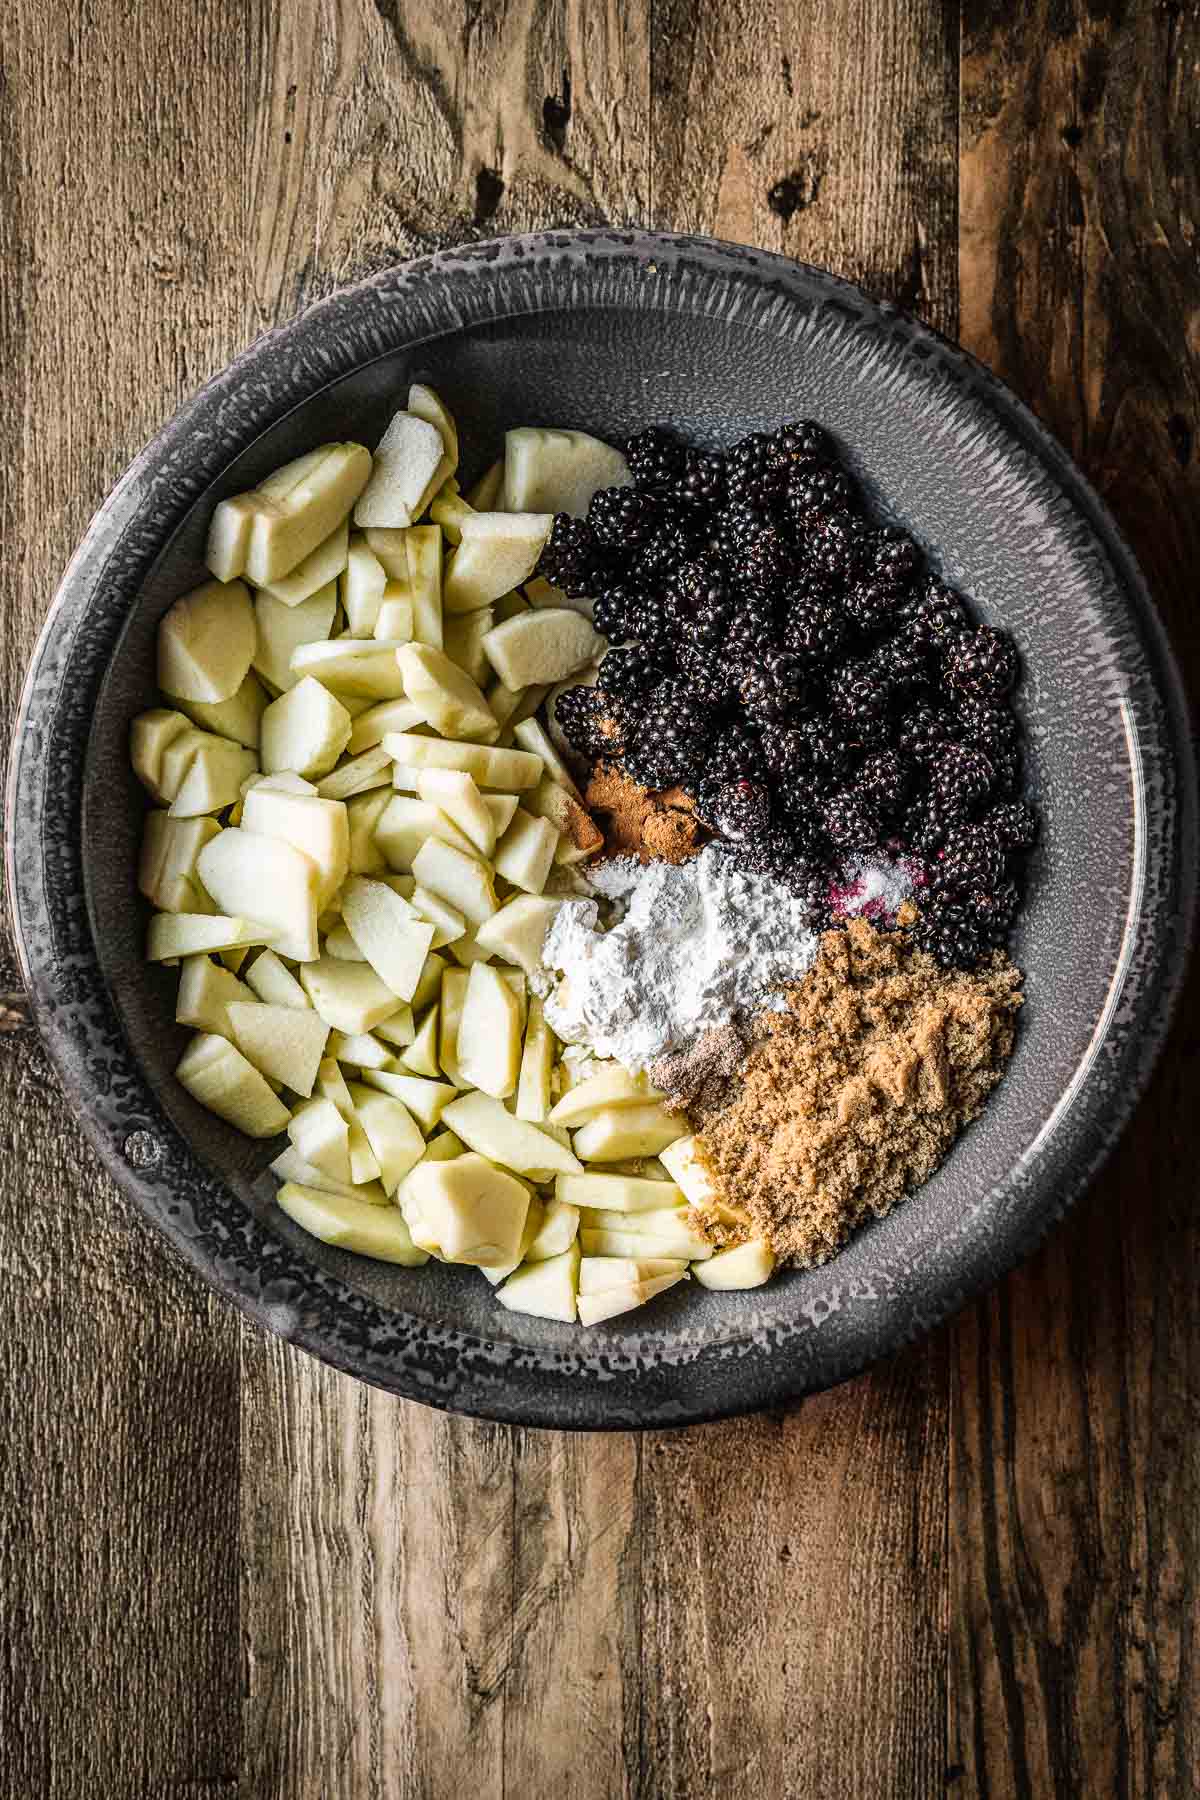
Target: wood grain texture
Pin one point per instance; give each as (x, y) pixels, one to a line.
(1075, 1471)
(118, 1373)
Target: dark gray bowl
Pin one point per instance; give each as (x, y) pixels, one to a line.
(610, 331)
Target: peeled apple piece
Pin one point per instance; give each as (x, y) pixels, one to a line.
(449, 700)
(531, 735)
(392, 1133)
(425, 1100)
(475, 1211)
(462, 880)
(490, 768)
(518, 931)
(350, 1224)
(489, 1128)
(241, 869)
(557, 471)
(220, 1078)
(426, 404)
(594, 1308)
(149, 736)
(618, 1193)
(363, 668)
(497, 553)
(172, 935)
(282, 1043)
(239, 718)
(544, 1290)
(390, 933)
(557, 1230)
(423, 549)
(204, 994)
(229, 534)
(305, 730)
(600, 1274)
(167, 865)
(206, 642)
(489, 1033)
(744, 1266)
(320, 569)
(455, 793)
(348, 996)
(485, 495)
(525, 854)
(274, 984)
(371, 727)
(373, 769)
(622, 1131)
(409, 455)
(307, 510)
(613, 1086)
(541, 646)
(404, 826)
(284, 626)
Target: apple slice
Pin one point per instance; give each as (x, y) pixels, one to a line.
(229, 534)
(593, 1309)
(362, 1051)
(476, 1212)
(305, 511)
(618, 1193)
(395, 622)
(421, 1057)
(612, 1087)
(283, 627)
(283, 1043)
(449, 700)
(362, 586)
(742, 1266)
(675, 1223)
(172, 935)
(623, 1131)
(517, 932)
(409, 455)
(457, 877)
(448, 509)
(489, 1128)
(358, 775)
(406, 825)
(282, 782)
(541, 595)
(390, 933)
(215, 773)
(339, 944)
(542, 646)
(423, 550)
(425, 1100)
(453, 999)
(430, 984)
(485, 495)
(305, 730)
(537, 1061)
(455, 793)
(573, 823)
(497, 553)
(239, 718)
(462, 638)
(274, 984)
(397, 1031)
(531, 735)
(363, 814)
(544, 1290)
(289, 1165)
(525, 854)
(515, 769)
(149, 737)
(350, 997)
(220, 1078)
(448, 923)
(601, 1274)
(331, 1085)
(393, 1135)
(319, 570)
(206, 642)
(489, 1034)
(558, 1230)
(350, 1224)
(365, 668)
(315, 826)
(204, 994)
(426, 404)
(322, 1137)
(557, 471)
(167, 865)
(371, 727)
(503, 809)
(240, 868)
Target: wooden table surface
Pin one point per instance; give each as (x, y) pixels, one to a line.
(226, 1570)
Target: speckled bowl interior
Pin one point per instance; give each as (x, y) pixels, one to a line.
(609, 332)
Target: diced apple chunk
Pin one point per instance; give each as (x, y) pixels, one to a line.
(426, 404)
(204, 994)
(683, 1163)
(410, 454)
(489, 1033)
(517, 932)
(511, 769)
(206, 642)
(283, 1043)
(448, 923)
(314, 826)
(393, 1134)
(350, 997)
(395, 621)
(460, 879)
(305, 730)
(306, 513)
(672, 1236)
(448, 509)
(618, 1193)
(319, 570)
(537, 1060)
(388, 931)
(600, 1274)
(475, 1211)
(362, 585)
(462, 640)
(593, 1309)
(547, 470)
(283, 628)
(363, 814)
(485, 495)
(743, 1266)
(421, 1057)
(239, 718)
(498, 551)
(423, 549)
(525, 853)
(613, 1086)
(229, 534)
(167, 865)
(371, 727)
(453, 998)
(405, 825)
(274, 984)
(216, 1074)
(241, 869)
(622, 1131)
(172, 935)
(214, 777)
(544, 1290)
(425, 1100)
(449, 700)
(489, 1128)
(289, 1165)
(149, 736)
(532, 735)
(541, 646)
(349, 1224)
(455, 793)
(357, 776)
(359, 668)
(557, 1231)
(322, 1137)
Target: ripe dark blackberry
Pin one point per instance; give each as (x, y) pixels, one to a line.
(932, 617)
(655, 458)
(840, 546)
(971, 862)
(883, 781)
(771, 686)
(627, 673)
(868, 604)
(992, 729)
(960, 776)
(996, 912)
(925, 827)
(895, 559)
(982, 662)
(578, 712)
(701, 481)
(665, 743)
(705, 670)
(903, 668)
(751, 632)
(650, 621)
(701, 601)
(1013, 824)
(827, 747)
(786, 754)
(766, 561)
(850, 821)
(620, 517)
(739, 810)
(571, 559)
(732, 532)
(736, 752)
(754, 470)
(923, 731)
(860, 695)
(816, 491)
(673, 542)
(952, 935)
(804, 441)
(612, 613)
(814, 629)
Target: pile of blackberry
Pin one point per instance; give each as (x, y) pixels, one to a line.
(790, 662)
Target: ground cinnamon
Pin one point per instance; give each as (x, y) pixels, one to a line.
(853, 1094)
(639, 822)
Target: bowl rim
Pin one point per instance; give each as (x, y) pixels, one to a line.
(439, 1365)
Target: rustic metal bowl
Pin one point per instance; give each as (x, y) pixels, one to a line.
(611, 330)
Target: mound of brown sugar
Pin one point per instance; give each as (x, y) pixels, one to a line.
(638, 822)
(853, 1094)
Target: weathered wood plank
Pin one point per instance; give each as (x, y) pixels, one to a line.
(1075, 1470)
(118, 1373)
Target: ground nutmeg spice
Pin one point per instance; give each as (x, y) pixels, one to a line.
(851, 1095)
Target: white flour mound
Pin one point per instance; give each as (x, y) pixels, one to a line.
(699, 943)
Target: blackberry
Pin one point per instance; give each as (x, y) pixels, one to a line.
(868, 603)
(733, 531)
(971, 862)
(627, 673)
(883, 781)
(814, 629)
(655, 560)
(982, 662)
(996, 912)
(779, 855)
(902, 667)
(701, 481)
(706, 672)
(655, 458)
(786, 753)
(839, 546)
(804, 441)
(740, 810)
(828, 751)
(924, 828)
(751, 630)
(700, 600)
(932, 617)
(754, 469)
(922, 732)
(622, 516)
(895, 559)
(952, 936)
(736, 753)
(765, 562)
(1012, 824)
(571, 559)
(992, 729)
(960, 776)
(860, 695)
(649, 620)
(850, 822)
(578, 712)
(613, 612)
(816, 492)
(665, 745)
(771, 686)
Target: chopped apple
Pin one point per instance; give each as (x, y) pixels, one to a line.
(455, 793)
(289, 1165)
(409, 455)
(448, 509)
(167, 865)
(284, 480)
(613, 1086)
(489, 1034)
(322, 1137)
(363, 668)
(541, 646)
(303, 516)
(448, 923)
(348, 996)
(315, 826)
(283, 1043)
(283, 628)
(621, 1131)
(593, 1309)
(331, 1086)
(425, 1100)
(392, 1133)
(450, 701)
(149, 736)
(371, 727)
(466, 951)
(462, 640)
(580, 836)
(214, 777)
(305, 730)
(674, 1225)
(497, 553)
(543, 597)
(350, 1224)
(319, 570)
(502, 808)
(357, 775)
(531, 735)
(216, 1074)
(405, 826)
(475, 1211)
(362, 1051)
(618, 1193)
(206, 642)
(485, 495)
(489, 1128)
(283, 782)
(552, 471)
(423, 550)
(229, 534)
(388, 931)
(341, 946)
(453, 999)
(362, 586)
(363, 814)
(398, 1029)
(204, 993)
(517, 932)
(743, 1266)
(241, 869)
(544, 1290)
(239, 718)
(395, 622)
(513, 769)
(274, 984)
(533, 1219)
(600, 1274)
(682, 1162)
(421, 1057)
(172, 935)
(430, 984)
(557, 1231)
(457, 877)
(426, 404)
(525, 853)
(537, 1060)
